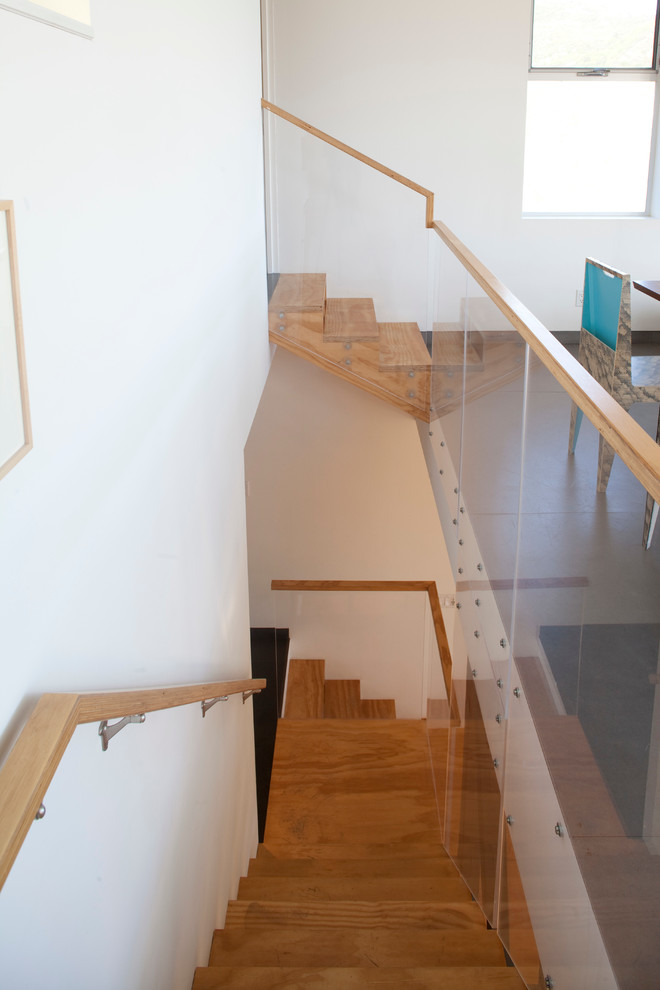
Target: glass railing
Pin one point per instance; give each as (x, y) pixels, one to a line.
(552, 807)
(378, 646)
(546, 754)
(359, 240)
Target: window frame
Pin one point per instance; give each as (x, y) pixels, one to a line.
(42, 12)
(600, 76)
(601, 71)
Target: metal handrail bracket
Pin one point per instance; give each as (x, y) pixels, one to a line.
(209, 704)
(248, 694)
(107, 731)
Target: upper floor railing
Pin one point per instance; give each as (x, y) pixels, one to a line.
(551, 792)
(635, 447)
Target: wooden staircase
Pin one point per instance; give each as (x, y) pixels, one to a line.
(342, 336)
(310, 695)
(390, 360)
(352, 887)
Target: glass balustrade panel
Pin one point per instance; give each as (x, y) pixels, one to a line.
(372, 647)
(347, 249)
(475, 458)
(584, 722)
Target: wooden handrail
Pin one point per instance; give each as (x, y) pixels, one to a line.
(429, 587)
(634, 446)
(34, 758)
(315, 132)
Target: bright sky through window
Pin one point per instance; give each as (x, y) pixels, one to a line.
(593, 34)
(590, 106)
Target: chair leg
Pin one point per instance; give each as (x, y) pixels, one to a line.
(651, 512)
(605, 461)
(576, 423)
(650, 519)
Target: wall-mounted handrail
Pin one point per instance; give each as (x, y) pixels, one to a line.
(33, 760)
(428, 195)
(634, 446)
(429, 587)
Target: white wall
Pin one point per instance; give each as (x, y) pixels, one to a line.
(338, 489)
(134, 161)
(437, 91)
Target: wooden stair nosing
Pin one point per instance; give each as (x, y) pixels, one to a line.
(434, 889)
(302, 292)
(293, 946)
(462, 915)
(354, 978)
(416, 847)
(402, 348)
(450, 350)
(266, 865)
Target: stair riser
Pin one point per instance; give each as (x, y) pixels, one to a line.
(398, 916)
(432, 889)
(338, 978)
(432, 866)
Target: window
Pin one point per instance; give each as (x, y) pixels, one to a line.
(590, 106)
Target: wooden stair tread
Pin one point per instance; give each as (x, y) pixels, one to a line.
(402, 348)
(349, 744)
(372, 888)
(334, 908)
(293, 946)
(298, 292)
(267, 865)
(353, 978)
(377, 708)
(344, 781)
(353, 914)
(448, 347)
(342, 699)
(304, 693)
(350, 319)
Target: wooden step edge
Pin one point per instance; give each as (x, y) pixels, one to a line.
(298, 292)
(462, 915)
(402, 348)
(356, 977)
(376, 947)
(266, 865)
(450, 350)
(321, 888)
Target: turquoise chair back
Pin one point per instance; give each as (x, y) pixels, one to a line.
(601, 304)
